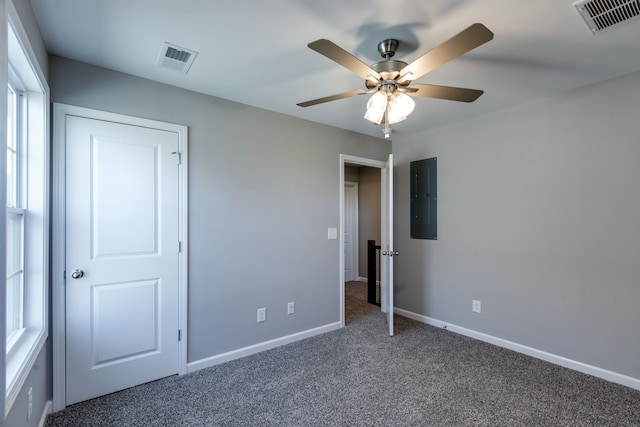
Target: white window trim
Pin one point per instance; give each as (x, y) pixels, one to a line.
(4, 61)
(20, 360)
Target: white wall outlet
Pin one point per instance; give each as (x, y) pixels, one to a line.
(475, 305)
(29, 403)
(291, 308)
(262, 315)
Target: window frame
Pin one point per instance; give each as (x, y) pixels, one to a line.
(16, 206)
(22, 61)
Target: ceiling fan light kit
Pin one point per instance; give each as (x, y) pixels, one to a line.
(390, 80)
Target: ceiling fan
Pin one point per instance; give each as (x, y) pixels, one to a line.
(390, 80)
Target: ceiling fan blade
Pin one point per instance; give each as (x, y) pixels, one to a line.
(337, 54)
(474, 36)
(332, 98)
(446, 92)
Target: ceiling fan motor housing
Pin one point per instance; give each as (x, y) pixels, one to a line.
(389, 70)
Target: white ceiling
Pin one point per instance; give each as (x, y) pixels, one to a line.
(255, 52)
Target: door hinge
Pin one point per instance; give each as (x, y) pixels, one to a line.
(179, 154)
(179, 335)
(179, 247)
(64, 275)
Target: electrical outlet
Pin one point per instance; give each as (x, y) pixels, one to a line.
(291, 308)
(29, 403)
(262, 315)
(475, 305)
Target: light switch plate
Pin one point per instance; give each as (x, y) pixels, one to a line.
(332, 233)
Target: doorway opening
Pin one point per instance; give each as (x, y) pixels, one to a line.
(360, 221)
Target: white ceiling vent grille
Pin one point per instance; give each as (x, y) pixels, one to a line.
(176, 57)
(602, 15)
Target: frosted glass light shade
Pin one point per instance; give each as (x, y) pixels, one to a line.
(376, 107)
(394, 118)
(400, 106)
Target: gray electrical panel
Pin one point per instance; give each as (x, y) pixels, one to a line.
(424, 199)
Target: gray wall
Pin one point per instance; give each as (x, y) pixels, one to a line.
(37, 380)
(263, 189)
(39, 377)
(538, 218)
(369, 200)
(28, 20)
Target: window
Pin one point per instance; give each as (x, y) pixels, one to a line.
(25, 225)
(15, 220)
(12, 147)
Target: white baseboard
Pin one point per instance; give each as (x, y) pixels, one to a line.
(257, 348)
(48, 408)
(529, 351)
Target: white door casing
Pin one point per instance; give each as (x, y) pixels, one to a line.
(386, 221)
(125, 229)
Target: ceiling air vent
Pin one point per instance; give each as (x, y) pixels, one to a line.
(176, 57)
(602, 15)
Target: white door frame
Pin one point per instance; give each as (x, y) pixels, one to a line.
(352, 160)
(60, 113)
(386, 262)
(352, 218)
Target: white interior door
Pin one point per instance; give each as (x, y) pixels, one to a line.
(122, 256)
(386, 260)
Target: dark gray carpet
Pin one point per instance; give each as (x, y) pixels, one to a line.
(358, 376)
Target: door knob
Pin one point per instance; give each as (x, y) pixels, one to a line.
(77, 274)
